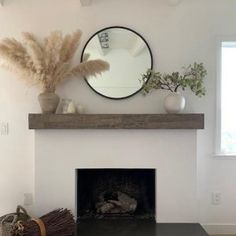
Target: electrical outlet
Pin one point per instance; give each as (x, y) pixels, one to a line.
(28, 199)
(216, 198)
(4, 128)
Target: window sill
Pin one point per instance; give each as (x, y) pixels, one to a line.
(222, 156)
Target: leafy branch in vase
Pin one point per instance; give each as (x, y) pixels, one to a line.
(192, 78)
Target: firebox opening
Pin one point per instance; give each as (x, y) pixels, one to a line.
(116, 193)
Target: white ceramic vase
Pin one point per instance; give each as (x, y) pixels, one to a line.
(174, 103)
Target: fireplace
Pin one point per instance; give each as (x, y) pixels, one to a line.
(116, 193)
(171, 153)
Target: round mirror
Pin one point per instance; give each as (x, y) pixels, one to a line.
(129, 57)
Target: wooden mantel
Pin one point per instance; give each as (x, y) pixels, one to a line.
(116, 121)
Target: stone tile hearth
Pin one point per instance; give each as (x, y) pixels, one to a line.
(137, 228)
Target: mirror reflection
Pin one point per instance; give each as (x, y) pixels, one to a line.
(129, 57)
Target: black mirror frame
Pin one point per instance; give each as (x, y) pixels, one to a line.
(120, 27)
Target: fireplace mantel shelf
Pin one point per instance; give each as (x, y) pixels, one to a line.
(116, 121)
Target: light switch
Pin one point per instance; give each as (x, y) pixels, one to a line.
(85, 2)
(4, 128)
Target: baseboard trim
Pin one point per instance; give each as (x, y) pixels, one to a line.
(214, 229)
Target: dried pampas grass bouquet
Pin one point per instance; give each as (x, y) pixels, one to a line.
(47, 63)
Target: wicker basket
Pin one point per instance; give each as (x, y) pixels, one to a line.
(7, 222)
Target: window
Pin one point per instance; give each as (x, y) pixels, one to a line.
(226, 143)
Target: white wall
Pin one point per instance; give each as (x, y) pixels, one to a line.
(171, 153)
(177, 35)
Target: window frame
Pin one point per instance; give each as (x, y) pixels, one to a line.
(218, 153)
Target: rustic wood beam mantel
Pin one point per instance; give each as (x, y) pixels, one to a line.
(116, 121)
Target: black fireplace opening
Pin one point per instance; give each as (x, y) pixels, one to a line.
(116, 193)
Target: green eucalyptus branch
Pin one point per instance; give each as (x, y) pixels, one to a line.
(192, 78)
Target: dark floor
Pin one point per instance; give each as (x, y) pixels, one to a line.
(137, 228)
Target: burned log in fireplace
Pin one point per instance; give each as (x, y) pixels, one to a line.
(116, 203)
(115, 193)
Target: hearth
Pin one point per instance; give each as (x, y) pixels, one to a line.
(137, 228)
(116, 194)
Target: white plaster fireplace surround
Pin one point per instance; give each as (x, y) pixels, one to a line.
(58, 153)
